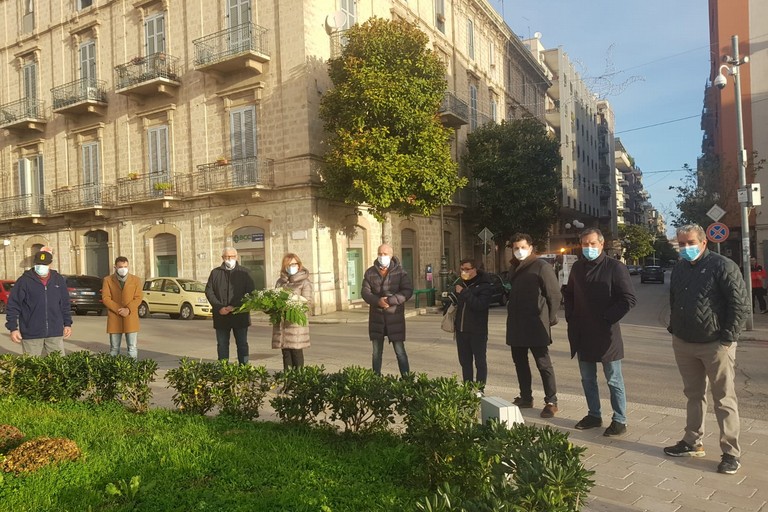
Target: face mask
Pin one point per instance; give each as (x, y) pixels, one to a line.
(465, 276)
(521, 254)
(293, 270)
(230, 263)
(41, 270)
(690, 252)
(384, 260)
(122, 271)
(590, 252)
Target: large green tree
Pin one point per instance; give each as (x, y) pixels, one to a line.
(515, 177)
(696, 194)
(386, 146)
(637, 241)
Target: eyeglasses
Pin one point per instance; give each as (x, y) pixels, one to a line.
(464, 269)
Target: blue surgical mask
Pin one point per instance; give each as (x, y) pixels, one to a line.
(41, 270)
(590, 253)
(293, 270)
(690, 252)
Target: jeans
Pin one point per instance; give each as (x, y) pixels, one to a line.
(130, 343)
(241, 341)
(402, 357)
(546, 370)
(473, 348)
(615, 380)
(293, 358)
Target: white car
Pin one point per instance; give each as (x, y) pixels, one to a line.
(180, 298)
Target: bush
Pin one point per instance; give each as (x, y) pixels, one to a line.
(362, 400)
(193, 381)
(241, 389)
(303, 395)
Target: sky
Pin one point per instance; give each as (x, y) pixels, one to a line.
(658, 54)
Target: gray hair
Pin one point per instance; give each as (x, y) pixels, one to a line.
(692, 228)
(228, 249)
(589, 231)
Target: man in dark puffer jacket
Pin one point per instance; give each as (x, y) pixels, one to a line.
(709, 305)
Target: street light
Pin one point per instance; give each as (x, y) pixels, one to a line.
(720, 82)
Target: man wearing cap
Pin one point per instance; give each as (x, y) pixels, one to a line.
(38, 314)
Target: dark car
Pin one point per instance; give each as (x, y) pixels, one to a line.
(85, 294)
(500, 290)
(652, 273)
(5, 292)
(634, 269)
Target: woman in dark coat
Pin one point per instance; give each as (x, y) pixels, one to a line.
(472, 297)
(534, 299)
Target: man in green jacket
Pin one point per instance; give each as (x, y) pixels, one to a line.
(708, 307)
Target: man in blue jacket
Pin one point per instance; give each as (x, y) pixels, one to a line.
(38, 314)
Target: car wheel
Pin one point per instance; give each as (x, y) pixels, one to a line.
(186, 312)
(81, 312)
(143, 310)
(642, 281)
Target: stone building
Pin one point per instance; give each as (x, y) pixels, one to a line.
(165, 130)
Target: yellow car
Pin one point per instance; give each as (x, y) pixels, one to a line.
(180, 298)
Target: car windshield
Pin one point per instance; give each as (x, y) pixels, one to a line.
(189, 285)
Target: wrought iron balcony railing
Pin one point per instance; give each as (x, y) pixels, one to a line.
(339, 40)
(81, 197)
(143, 69)
(26, 205)
(228, 43)
(83, 90)
(454, 109)
(233, 175)
(26, 109)
(151, 186)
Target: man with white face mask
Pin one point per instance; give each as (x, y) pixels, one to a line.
(386, 288)
(38, 314)
(121, 294)
(534, 299)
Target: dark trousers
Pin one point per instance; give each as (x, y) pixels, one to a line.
(546, 370)
(472, 348)
(293, 358)
(759, 294)
(241, 341)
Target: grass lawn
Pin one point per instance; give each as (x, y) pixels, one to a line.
(190, 463)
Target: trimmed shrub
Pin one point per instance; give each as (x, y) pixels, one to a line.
(303, 394)
(241, 389)
(193, 381)
(362, 400)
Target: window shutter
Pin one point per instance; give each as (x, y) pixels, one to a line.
(40, 176)
(23, 176)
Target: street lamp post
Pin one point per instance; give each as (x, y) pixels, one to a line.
(720, 82)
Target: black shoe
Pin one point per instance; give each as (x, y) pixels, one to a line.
(728, 464)
(589, 422)
(523, 403)
(615, 429)
(683, 449)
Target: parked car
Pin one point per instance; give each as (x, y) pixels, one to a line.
(5, 292)
(634, 269)
(652, 273)
(500, 290)
(180, 298)
(85, 294)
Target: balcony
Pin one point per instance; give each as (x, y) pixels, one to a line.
(84, 96)
(233, 175)
(239, 48)
(25, 114)
(338, 42)
(22, 206)
(89, 196)
(144, 76)
(552, 116)
(139, 188)
(453, 112)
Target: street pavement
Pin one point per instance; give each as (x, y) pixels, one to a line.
(631, 471)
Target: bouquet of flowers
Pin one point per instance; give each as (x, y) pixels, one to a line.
(281, 305)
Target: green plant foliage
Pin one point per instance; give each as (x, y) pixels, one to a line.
(386, 145)
(637, 241)
(303, 396)
(280, 305)
(362, 400)
(193, 381)
(125, 491)
(241, 389)
(514, 171)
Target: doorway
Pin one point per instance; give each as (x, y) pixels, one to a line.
(96, 253)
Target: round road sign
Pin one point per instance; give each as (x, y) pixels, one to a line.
(717, 232)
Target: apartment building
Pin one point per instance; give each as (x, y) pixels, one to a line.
(165, 130)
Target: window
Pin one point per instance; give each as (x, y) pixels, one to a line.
(440, 15)
(471, 39)
(83, 4)
(472, 107)
(28, 18)
(88, 62)
(349, 7)
(31, 183)
(238, 12)
(492, 54)
(158, 158)
(494, 115)
(31, 106)
(154, 35)
(90, 161)
(243, 142)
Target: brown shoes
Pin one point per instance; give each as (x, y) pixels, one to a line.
(549, 411)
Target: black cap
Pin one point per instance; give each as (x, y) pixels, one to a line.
(43, 258)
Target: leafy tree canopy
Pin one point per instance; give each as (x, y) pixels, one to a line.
(513, 166)
(386, 145)
(696, 194)
(637, 241)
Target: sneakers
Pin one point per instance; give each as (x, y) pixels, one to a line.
(549, 411)
(683, 449)
(728, 464)
(589, 422)
(615, 429)
(523, 403)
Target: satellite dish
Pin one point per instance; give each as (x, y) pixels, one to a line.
(335, 21)
(537, 35)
